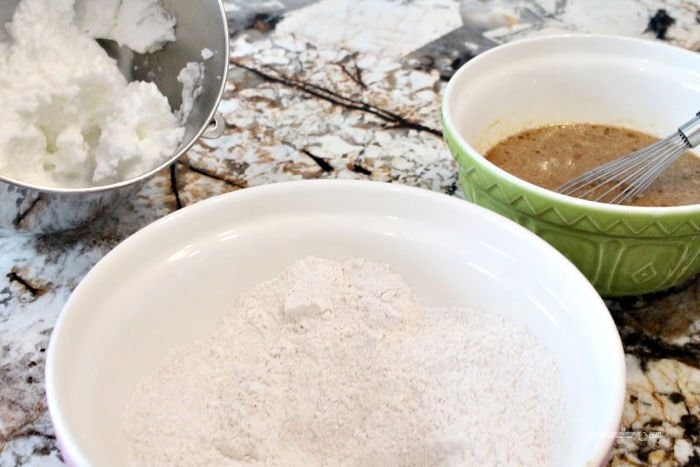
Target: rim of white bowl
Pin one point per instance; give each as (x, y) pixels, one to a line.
(582, 203)
(604, 322)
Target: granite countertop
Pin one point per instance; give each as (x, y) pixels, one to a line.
(351, 89)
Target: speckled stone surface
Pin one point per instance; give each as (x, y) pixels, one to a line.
(344, 89)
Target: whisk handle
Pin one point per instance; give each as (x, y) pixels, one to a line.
(691, 131)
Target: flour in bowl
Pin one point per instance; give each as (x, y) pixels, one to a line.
(336, 363)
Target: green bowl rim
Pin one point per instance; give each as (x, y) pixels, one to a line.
(628, 213)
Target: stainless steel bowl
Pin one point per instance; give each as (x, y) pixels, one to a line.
(31, 209)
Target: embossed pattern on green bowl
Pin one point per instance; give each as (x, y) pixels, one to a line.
(621, 253)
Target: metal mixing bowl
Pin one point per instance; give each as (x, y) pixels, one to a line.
(27, 208)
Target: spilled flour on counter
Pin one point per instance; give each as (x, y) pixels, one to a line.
(336, 363)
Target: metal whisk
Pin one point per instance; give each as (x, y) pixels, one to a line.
(626, 177)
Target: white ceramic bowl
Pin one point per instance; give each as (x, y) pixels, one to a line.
(169, 284)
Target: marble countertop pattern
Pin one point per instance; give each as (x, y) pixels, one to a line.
(351, 89)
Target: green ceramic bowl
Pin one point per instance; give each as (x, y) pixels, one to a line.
(652, 87)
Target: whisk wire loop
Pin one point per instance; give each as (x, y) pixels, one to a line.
(627, 177)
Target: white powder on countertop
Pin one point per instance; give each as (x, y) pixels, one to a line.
(337, 364)
(68, 116)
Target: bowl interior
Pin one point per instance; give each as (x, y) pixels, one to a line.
(171, 282)
(635, 83)
(200, 25)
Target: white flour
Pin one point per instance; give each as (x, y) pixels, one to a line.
(337, 364)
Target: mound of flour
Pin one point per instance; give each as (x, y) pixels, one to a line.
(337, 364)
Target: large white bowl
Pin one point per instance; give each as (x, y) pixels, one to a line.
(169, 284)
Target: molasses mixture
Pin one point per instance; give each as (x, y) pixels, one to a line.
(552, 155)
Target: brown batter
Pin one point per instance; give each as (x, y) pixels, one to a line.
(550, 156)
